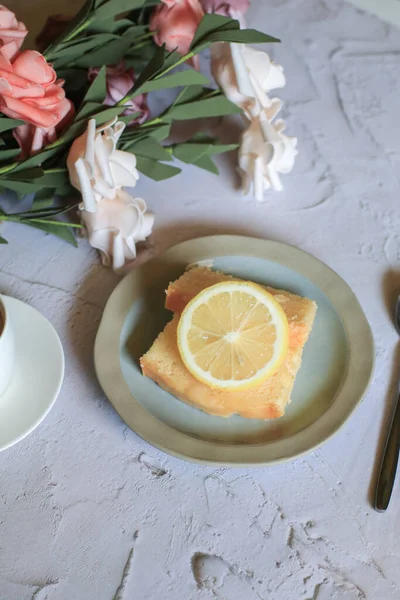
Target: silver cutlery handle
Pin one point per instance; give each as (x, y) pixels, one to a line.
(390, 459)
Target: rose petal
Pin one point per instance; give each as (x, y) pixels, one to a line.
(28, 113)
(175, 22)
(32, 66)
(21, 85)
(12, 33)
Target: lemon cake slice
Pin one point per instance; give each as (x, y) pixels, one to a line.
(164, 365)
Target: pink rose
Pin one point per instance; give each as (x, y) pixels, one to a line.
(53, 28)
(175, 23)
(12, 33)
(235, 9)
(29, 92)
(118, 83)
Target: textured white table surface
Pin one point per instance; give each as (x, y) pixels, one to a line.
(90, 512)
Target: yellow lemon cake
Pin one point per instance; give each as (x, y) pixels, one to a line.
(164, 365)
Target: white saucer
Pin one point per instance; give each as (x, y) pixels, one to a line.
(38, 373)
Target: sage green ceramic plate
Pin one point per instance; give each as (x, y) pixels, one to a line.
(337, 364)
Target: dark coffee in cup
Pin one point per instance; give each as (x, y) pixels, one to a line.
(6, 348)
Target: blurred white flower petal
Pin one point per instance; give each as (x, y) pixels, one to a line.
(245, 74)
(264, 153)
(117, 226)
(115, 221)
(107, 168)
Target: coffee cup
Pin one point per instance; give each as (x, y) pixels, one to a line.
(6, 348)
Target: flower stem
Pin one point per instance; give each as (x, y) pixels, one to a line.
(8, 168)
(74, 33)
(145, 36)
(26, 221)
(182, 59)
(49, 222)
(152, 122)
(51, 54)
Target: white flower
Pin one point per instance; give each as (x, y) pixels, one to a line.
(114, 220)
(246, 76)
(117, 226)
(96, 168)
(265, 152)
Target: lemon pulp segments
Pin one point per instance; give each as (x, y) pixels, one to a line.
(233, 335)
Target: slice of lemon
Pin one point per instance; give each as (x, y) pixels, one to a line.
(233, 335)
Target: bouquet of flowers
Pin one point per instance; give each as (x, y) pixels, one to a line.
(76, 131)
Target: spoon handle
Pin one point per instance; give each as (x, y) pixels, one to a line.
(390, 459)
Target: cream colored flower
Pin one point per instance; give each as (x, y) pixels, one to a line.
(265, 152)
(96, 168)
(117, 226)
(115, 221)
(246, 76)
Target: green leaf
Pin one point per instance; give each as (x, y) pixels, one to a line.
(97, 90)
(149, 3)
(28, 174)
(81, 46)
(7, 154)
(21, 187)
(188, 94)
(116, 7)
(108, 114)
(6, 123)
(221, 148)
(46, 220)
(36, 159)
(75, 80)
(110, 26)
(89, 109)
(202, 138)
(54, 178)
(216, 28)
(128, 118)
(77, 23)
(187, 78)
(50, 213)
(148, 147)
(156, 170)
(44, 213)
(152, 67)
(139, 57)
(62, 231)
(162, 132)
(36, 179)
(190, 152)
(209, 107)
(74, 131)
(211, 23)
(3, 240)
(158, 132)
(66, 190)
(242, 36)
(43, 199)
(109, 54)
(205, 162)
(170, 59)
